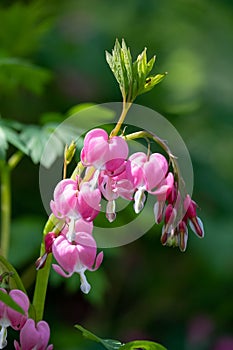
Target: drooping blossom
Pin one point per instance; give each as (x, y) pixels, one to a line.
(76, 256)
(113, 187)
(104, 153)
(72, 225)
(178, 213)
(34, 336)
(72, 200)
(10, 317)
(191, 216)
(164, 192)
(147, 173)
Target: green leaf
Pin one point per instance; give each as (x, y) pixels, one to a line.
(6, 299)
(115, 344)
(23, 25)
(46, 143)
(13, 124)
(15, 72)
(53, 136)
(120, 66)
(142, 345)
(15, 281)
(35, 139)
(127, 61)
(9, 135)
(14, 138)
(132, 77)
(3, 144)
(151, 82)
(109, 344)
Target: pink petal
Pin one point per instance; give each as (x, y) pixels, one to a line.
(85, 239)
(16, 345)
(34, 336)
(29, 336)
(95, 148)
(86, 247)
(115, 157)
(138, 158)
(95, 153)
(44, 331)
(88, 202)
(83, 226)
(158, 211)
(95, 133)
(135, 168)
(155, 170)
(118, 148)
(65, 198)
(98, 261)
(60, 271)
(115, 166)
(197, 227)
(65, 253)
(61, 187)
(164, 188)
(17, 319)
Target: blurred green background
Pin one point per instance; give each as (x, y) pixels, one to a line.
(142, 290)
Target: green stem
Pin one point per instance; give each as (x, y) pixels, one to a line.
(6, 168)
(125, 109)
(42, 276)
(15, 159)
(5, 208)
(40, 291)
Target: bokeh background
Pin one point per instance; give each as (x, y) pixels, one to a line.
(142, 290)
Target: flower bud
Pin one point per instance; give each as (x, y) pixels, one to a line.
(183, 236)
(48, 240)
(69, 152)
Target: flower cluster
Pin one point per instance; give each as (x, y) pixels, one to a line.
(32, 336)
(109, 173)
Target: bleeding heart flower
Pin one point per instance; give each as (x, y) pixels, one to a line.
(34, 336)
(10, 317)
(74, 201)
(76, 256)
(113, 188)
(146, 174)
(104, 153)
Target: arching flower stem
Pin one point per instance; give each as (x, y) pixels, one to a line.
(125, 108)
(149, 135)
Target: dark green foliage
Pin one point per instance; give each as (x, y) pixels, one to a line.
(110, 344)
